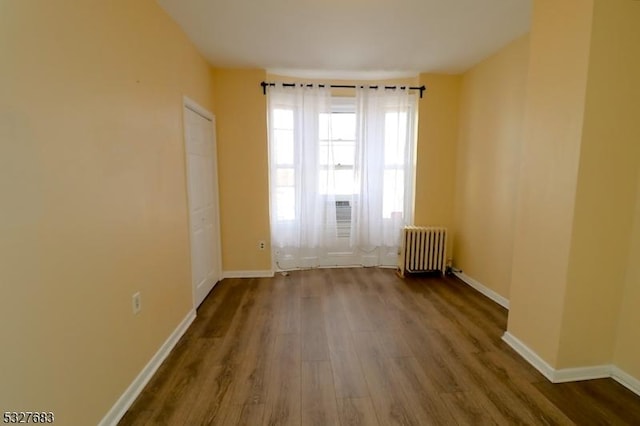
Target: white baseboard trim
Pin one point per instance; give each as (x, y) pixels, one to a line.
(564, 375)
(625, 379)
(266, 273)
(128, 397)
(483, 289)
(529, 355)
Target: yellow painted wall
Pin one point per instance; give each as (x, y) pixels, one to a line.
(606, 195)
(94, 201)
(556, 91)
(436, 153)
(243, 168)
(491, 115)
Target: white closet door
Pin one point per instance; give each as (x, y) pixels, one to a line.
(203, 202)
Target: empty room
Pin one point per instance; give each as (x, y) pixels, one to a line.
(320, 212)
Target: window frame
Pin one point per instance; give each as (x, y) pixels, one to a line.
(340, 105)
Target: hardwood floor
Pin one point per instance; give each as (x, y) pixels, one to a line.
(361, 347)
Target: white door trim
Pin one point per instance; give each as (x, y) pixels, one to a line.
(197, 108)
(192, 105)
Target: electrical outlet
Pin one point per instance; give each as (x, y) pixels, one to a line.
(136, 303)
(261, 245)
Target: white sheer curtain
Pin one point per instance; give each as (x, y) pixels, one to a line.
(341, 175)
(386, 150)
(299, 213)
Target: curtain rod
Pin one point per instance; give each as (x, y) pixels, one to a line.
(264, 85)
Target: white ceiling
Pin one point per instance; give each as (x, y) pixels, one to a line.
(350, 38)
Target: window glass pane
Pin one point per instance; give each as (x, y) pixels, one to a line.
(395, 137)
(344, 180)
(393, 193)
(337, 126)
(344, 153)
(338, 182)
(285, 202)
(337, 153)
(283, 146)
(285, 177)
(282, 118)
(343, 126)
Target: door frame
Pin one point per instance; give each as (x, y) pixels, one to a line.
(188, 103)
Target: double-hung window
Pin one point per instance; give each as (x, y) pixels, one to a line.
(337, 149)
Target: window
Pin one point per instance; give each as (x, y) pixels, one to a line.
(341, 174)
(395, 140)
(337, 148)
(282, 131)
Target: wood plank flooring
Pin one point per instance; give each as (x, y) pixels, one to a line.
(361, 347)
